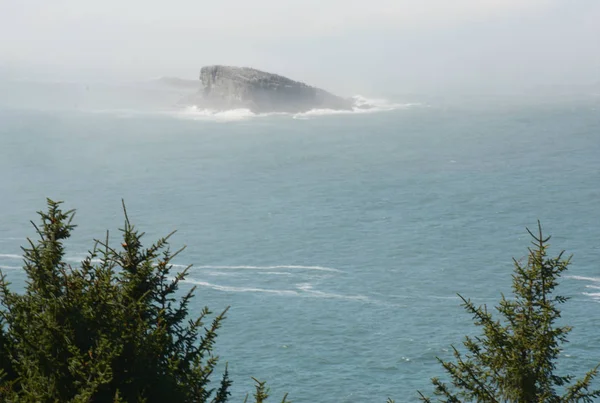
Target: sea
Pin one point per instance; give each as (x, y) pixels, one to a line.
(340, 241)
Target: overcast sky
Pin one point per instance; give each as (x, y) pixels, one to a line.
(344, 45)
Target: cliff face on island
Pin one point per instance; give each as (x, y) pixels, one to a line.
(226, 87)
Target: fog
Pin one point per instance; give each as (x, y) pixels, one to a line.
(350, 46)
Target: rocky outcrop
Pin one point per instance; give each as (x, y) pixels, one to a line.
(226, 87)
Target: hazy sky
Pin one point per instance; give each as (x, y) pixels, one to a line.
(345, 45)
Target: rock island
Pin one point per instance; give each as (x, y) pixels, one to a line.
(228, 87)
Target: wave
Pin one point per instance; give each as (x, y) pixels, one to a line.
(362, 105)
(10, 267)
(195, 113)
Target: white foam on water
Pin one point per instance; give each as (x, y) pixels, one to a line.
(308, 289)
(238, 289)
(215, 269)
(10, 267)
(594, 295)
(79, 259)
(72, 259)
(290, 267)
(76, 259)
(180, 266)
(218, 273)
(362, 105)
(10, 256)
(582, 278)
(195, 113)
(303, 290)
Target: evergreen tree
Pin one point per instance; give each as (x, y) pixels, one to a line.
(111, 330)
(514, 360)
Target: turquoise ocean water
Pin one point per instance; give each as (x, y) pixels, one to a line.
(339, 241)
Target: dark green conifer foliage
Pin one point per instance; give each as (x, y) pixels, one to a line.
(111, 330)
(514, 360)
(261, 393)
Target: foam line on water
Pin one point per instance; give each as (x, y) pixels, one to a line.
(303, 290)
(180, 266)
(75, 259)
(10, 256)
(421, 296)
(78, 259)
(290, 267)
(308, 289)
(583, 278)
(219, 274)
(2, 267)
(238, 289)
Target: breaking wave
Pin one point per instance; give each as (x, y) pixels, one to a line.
(195, 113)
(362, 105)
